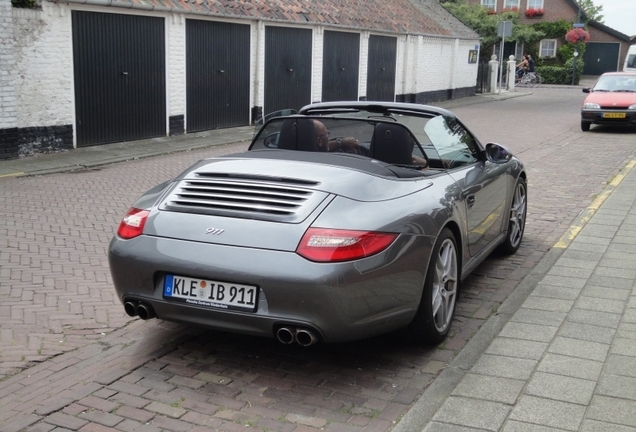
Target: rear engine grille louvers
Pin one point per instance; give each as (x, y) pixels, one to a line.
(246, 197)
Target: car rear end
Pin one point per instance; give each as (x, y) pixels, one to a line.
(277, 252)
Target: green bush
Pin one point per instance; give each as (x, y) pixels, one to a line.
(561, 74)
(552, 74)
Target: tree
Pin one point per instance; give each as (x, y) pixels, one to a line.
(592, 11)
(485, 24)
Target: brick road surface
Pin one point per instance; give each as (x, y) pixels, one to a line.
(70, 359)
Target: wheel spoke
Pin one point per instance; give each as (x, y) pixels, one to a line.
(437, 299)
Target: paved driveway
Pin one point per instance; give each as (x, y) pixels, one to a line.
(70, 358)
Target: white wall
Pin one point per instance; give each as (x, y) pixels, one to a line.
(465, 73)
(176, 65)
(43, 65)
(8, 110)
(364, 63)
(316, 63)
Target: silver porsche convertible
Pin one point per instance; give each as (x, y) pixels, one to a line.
(343, 221)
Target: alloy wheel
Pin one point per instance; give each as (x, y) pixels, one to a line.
(518, 215)
(444, 286)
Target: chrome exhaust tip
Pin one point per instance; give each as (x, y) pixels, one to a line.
(285, 335)
(130, 307)
(306, 337)
(145, 311)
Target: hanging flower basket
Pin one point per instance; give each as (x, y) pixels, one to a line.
(534, 12)
(577, 35)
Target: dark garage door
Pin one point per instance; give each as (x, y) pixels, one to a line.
(340, 67)
(120, 78)
(287, 68)
(217, 75)
(600, 58)
(381, 68)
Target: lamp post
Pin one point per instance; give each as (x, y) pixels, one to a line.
(578, 24)
(576, 54)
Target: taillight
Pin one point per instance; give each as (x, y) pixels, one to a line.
(332, 245)
(133, 223)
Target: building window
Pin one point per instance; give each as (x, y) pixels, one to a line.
(548, 48)
(535, 4)
(488, 4)
(511, 4)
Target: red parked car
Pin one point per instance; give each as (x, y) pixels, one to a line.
(612, 101)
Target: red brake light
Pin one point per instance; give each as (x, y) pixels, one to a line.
(133, 223)
(332, 245)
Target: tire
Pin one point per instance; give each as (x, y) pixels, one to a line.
(439, 297)
(537, 80)
(517, 219)
(585, 126)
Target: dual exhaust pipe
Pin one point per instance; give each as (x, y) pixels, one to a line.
(135, 308)
(302, 336)
(286, 335)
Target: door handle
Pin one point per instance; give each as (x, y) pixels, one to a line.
(470, 201)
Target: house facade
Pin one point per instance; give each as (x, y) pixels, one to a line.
(604, 52)
(78, 73)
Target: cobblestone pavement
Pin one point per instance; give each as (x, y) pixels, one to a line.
(70, 359)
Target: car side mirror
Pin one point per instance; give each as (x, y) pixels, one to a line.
(586, 90)
(497, 153)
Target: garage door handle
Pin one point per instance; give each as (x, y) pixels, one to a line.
(471, 201)
(221, 71)
(124, 73)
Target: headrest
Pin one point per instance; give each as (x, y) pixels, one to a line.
(392, 143)
(298, 134)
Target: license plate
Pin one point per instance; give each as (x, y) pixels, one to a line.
(614, 115)
(213, 294)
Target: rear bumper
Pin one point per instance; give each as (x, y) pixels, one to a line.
(341, 301)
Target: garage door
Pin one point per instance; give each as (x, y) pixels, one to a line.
(381, 68)
(600, 57)
(217, 75)
(340, 67)
(120, 77)
(287, 68)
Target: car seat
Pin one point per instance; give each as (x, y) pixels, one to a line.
(392, 143)
(298, 134)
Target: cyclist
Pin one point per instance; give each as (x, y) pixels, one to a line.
(522, 67)
(530, 63)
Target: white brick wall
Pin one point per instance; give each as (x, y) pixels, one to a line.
(465, 73)
(8, 111)
(316, 63)
(258, 64)
(43, 65)
(436, 58)
(364, 64)
(176, 64)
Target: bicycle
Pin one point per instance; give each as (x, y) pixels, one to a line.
(530, 79)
